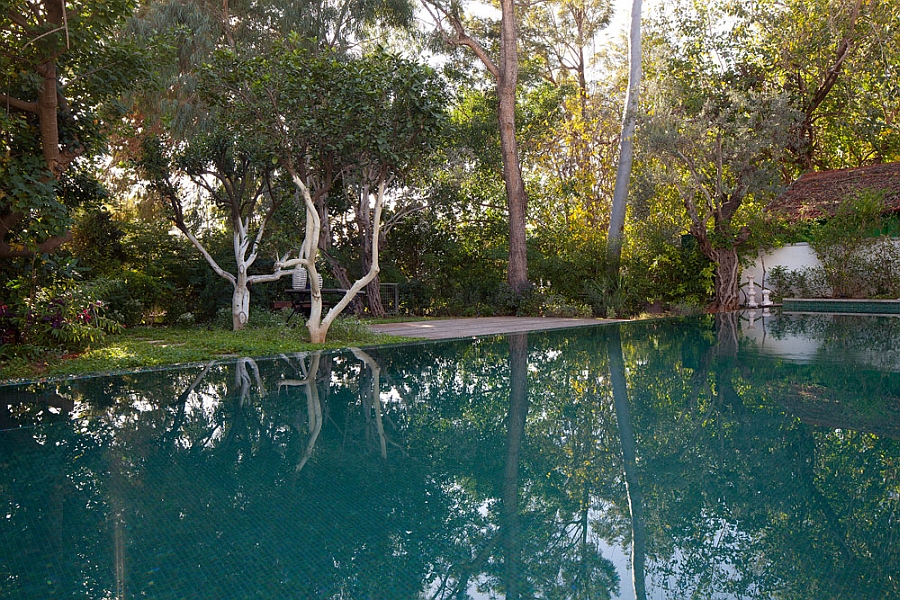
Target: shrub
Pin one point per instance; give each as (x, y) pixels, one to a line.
(856, 263)
(808, 282)
(62, 316)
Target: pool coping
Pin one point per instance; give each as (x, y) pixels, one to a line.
(841, 306)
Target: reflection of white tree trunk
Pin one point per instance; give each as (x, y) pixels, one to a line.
(243, 370)
(629, 458)
(313, 405)
(376, 396)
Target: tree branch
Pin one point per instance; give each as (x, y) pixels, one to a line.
(31, 107)
(461, 37)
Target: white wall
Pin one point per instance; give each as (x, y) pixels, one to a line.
(792, 257)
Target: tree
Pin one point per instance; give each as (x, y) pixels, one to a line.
(720, 135)
(569, 147)
(325, 118)
(721, 157)
(626, 143)
(505, 72)
(62, 65)
(239, 180)
(817, 52)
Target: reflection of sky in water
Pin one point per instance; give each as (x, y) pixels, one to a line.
(758, 470)
(868, 341)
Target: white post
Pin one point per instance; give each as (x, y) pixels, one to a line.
(751, 292)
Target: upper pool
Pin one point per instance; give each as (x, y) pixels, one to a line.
(737, 456)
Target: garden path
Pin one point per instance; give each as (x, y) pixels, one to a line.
(443, 329)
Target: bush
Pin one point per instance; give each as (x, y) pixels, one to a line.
(856, 261)
(808, 282)
(134, 297)
(62, 316)
(872, 271)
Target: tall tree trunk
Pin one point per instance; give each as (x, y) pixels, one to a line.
(517, 202)
(373, 297)
(626, 145)
(506, 74)
(373, 288)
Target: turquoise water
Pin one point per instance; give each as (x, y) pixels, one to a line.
(738, 457)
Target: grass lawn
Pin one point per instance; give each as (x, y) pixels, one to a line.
(158, 346)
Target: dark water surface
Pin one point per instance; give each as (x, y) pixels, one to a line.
(729, 457)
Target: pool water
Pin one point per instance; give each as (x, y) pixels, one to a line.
(738, 456)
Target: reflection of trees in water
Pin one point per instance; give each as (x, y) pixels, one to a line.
(738, 498)
(314, 416)
(629, 465)
(503, 471)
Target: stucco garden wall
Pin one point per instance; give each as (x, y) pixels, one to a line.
(792, 256)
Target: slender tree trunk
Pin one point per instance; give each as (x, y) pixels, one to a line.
(626, 145)
(317, 325)
(507, 80)
(506, 74)
(373, 297)
(373, 288)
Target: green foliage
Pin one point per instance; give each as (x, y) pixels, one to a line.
(92, 66)
(854, 265)
(799, 283)
(62, 315)
(805, 46)
(98, 242)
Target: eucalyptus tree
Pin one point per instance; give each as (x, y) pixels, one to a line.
(240, 181)
(325, 118)
(626, 142)
(63, 65)
(502, 64)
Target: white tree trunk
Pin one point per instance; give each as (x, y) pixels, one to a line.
(240, 304)
(317, 324)
(240, 298)
(626, 144)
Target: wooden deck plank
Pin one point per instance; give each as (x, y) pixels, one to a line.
(443, 329)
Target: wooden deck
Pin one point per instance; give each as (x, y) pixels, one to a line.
(444, 329)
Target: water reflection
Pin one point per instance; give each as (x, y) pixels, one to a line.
(665, 459)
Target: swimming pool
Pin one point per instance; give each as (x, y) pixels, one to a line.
(738, 456)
